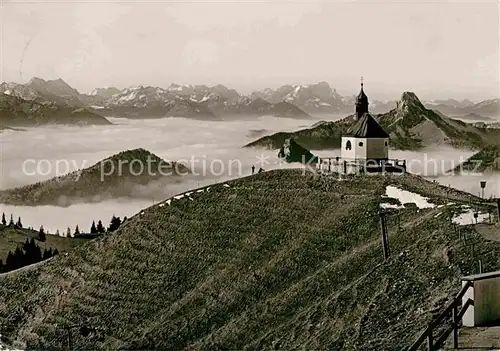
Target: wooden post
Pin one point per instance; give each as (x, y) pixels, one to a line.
(454, 315)
(345, 167)
(70, 343)
(498, 207)
(430, 342)
(480, 267)
(383, 232)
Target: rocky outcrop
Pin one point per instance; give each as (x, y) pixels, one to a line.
(293, 152)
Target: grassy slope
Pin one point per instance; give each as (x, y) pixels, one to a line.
(10, 238)
(279, 260)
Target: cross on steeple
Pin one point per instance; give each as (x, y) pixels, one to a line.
(361, 102)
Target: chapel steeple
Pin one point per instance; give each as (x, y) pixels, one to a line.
(361, 103)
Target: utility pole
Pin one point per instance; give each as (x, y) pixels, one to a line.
(383, 231)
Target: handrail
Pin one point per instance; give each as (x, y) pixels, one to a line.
(456, 316)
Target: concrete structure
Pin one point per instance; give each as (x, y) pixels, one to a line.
(485, 292)
(366, 140)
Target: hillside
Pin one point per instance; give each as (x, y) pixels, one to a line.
(10, 238)
(485, 161)
(278, 260)
(17, 112)
(411, 127)
(102, 181)
(322, 135)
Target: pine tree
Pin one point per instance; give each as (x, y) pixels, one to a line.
(55, 252)
(100, 227)
(9, 262)
(77, 230)
(19, 224)
(48, 254)
(19, 258)
(11, 222)
(68, 232)
(4, 222)
(114, 224)
(41, 234)
(57, 232)
(93, 229)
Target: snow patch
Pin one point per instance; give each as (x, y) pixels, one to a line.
(467, 217)
(178, 197)
(407, 197)
(385, 206)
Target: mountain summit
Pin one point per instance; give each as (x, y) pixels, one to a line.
(125, 174)
(412, 126)
(317, 98)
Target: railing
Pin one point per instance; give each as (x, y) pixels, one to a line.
(341, 165)
(456, 317)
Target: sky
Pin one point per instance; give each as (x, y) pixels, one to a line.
(436, 49)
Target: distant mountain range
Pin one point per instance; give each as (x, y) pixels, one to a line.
(411, 126)
(200, 102)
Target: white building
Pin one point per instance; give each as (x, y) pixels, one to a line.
(366, 140)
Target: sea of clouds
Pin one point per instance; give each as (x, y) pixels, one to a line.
(215, 146)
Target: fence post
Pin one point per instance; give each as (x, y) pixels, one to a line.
(430, 342)
(498, 208)
(383, 232)
(455, 324)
